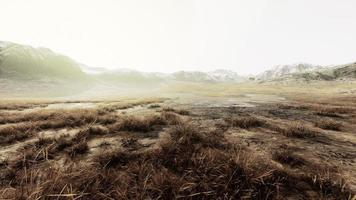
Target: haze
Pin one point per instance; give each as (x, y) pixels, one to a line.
(171, 35)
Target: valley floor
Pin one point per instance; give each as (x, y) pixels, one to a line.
(251, 145)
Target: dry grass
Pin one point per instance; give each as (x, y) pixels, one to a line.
(190, 164)
(245, 122)
(329, 124)
(171, 118)
(137, 124)
(78, 148)
(112, 107)
(131, 143)
(330, 110)
(288, 157)
(12, 133)
(178, 111)
(294, 129)
(20, 105)
(28, 124)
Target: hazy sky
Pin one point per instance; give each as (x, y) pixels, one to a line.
(247, 36)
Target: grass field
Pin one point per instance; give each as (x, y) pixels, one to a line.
(193, 141)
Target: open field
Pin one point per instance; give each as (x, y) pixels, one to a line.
(193, 142)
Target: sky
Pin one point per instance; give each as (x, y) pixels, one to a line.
(247, 36)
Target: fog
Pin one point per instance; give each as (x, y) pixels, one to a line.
(171, 35)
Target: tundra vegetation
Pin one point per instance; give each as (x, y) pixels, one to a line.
(156, 148)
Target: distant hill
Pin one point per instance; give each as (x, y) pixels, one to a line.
(307, 73)
(220, 75)
(127, 76)
(341, 72)
(22, 64)
(25, 62)
(133, 76)
(281, 71)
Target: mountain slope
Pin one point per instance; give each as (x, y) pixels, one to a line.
(25, 62)
(284, 70)
(220, 75)
(341, 72)
(306, 73)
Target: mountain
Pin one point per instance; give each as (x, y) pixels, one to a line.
(128, 76)
(220, 75)
(307, 73)
(25, 62)
(134, 76)
(281, 71)
(340, 72)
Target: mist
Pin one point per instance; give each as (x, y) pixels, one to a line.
(247, 37)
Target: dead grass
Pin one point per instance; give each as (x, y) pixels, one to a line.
(112, 107)
(329, 124)
(13, 133)
(178, 111)
(137, 124)
(131, 143)
(330, 110)
(245, 122)
(79, 148)
(190, 164)
(294, 129)
(20, 105)
(288, 157)
(26, 125)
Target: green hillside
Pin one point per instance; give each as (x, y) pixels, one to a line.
(25, 62)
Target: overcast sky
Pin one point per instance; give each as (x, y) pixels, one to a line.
(246, 36)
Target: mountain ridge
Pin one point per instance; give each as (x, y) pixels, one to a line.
(26, 62)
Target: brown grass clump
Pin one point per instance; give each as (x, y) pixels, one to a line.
(171, 118)
(131, 143)
(178, 111)
(288, 157)
(116, 158)
(63, 142)
(59, 118)
(246, 122)
(98, 130)
(329, 124)
(294, 129)
(125, 105)
(138, 124)
(13, 133)
(79, 148)
(20, 105)
(331, 111)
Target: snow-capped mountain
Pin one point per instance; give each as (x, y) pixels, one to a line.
(220, 75)
(284, 70)
(125, 74)
(225, 75)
